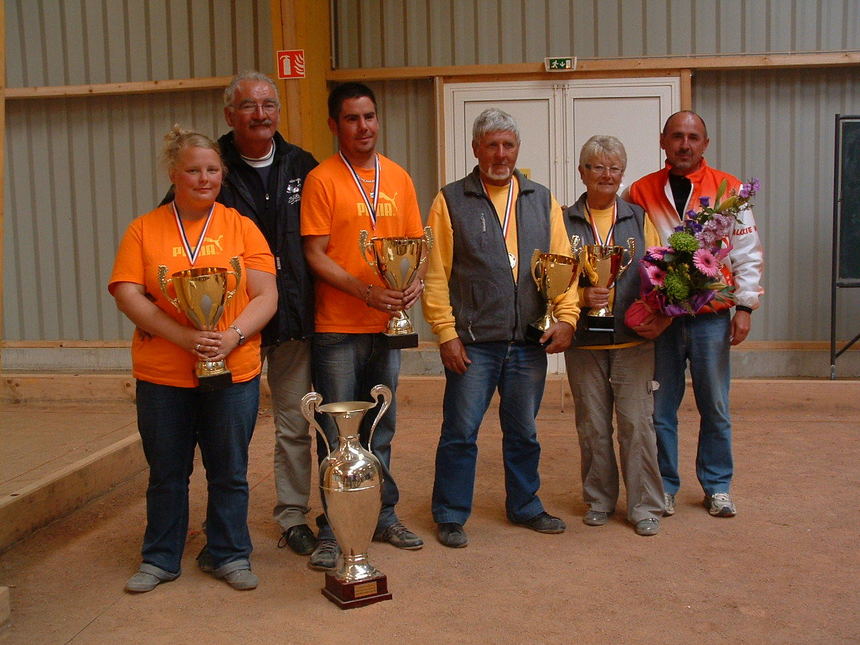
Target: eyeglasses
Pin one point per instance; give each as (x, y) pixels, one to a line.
(600, 169)
(249, 107)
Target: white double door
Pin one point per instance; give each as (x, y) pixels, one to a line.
(555, 119)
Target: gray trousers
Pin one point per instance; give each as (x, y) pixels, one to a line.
(601, 380)
(289, 375)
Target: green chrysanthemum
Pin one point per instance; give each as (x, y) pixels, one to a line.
(683, 242)
(677, 288)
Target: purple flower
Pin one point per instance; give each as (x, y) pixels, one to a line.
(745, 191)
(704, 201)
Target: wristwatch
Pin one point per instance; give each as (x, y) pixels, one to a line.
(241, 335)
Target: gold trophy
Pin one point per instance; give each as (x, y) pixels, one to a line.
(396, 260)
(602, 265)
(351, 485)
(554, 275)
(202, 294)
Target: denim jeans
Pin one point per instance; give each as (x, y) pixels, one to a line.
(703, 341)
(519, 372)
(345, 368)
(171, 421)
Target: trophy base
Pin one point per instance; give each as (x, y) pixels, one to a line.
(601, 323)
(534, 334)
(401, 341)
(348, 595)
(215, 382)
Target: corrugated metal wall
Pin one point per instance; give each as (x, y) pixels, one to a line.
(395, 33)
(775, 124)
(78, 170)
(78, 42)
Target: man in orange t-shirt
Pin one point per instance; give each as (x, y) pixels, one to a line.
(357, 189)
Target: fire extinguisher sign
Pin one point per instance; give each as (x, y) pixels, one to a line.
(291, 63)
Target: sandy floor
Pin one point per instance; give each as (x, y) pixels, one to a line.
(785, 570)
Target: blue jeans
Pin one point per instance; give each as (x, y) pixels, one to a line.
(519, 373)
(171, 421)
(345, 368)
(703, 341)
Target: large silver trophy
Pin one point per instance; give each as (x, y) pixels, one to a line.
(202, 294)
(396, 260)
(602, 265)
(351, 485)
(554, 275)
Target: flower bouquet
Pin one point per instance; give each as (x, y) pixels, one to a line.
(687, 274)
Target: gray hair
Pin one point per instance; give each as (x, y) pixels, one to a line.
(603, 145)
(494, 120)
(249, 75)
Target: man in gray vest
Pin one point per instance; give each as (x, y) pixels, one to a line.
(479, 299)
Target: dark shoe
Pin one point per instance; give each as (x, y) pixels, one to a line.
(399, 536)
(148, 578)
(543, 522)
(299, 538)
(648, 526)
(452, 534)
(324, 557)
(595, 518)
(720, 505)
(241, 579)
(204, 560)
(669, 504)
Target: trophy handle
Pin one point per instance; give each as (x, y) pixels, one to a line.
(309, 405)
(163, 281)
(364, 244)
(535, 263)
(428, 243)
(575, 246)
(236, 273)
(631, 250)
(384, 393)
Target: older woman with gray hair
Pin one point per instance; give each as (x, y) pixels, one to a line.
(613, 370)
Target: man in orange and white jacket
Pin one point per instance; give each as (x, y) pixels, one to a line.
(702, 340)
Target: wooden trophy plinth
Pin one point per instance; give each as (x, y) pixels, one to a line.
(347, 595)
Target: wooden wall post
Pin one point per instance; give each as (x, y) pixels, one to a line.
(305, 24)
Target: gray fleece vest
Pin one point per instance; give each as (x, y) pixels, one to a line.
(630, 223)
(488, 305)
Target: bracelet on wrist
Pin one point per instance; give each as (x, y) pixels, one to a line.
(239, 332)
(367, 294)
(743, 308)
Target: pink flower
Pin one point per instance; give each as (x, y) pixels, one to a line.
(705, 262)
(656, 275)
(657, 253)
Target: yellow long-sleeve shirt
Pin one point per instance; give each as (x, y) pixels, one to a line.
(436, 300)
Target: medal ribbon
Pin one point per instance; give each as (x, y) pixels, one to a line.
(192, 255)
(507, 219)
(610, 234)
(371, 208)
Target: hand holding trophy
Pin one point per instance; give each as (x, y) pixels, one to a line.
(602, 265)
(396, 260)
(202, 294)
(554, 275)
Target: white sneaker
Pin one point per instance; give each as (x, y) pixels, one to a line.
(720, 505)
(668, 504)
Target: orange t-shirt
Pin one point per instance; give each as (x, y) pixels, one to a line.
(153, 239)
(332, 206)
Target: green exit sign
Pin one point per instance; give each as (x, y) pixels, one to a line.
(560, 64)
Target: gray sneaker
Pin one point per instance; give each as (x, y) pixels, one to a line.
(595, 518)
(241, 579)
(648, 526)
(324, 557)
(668, 504)
(720, 505)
